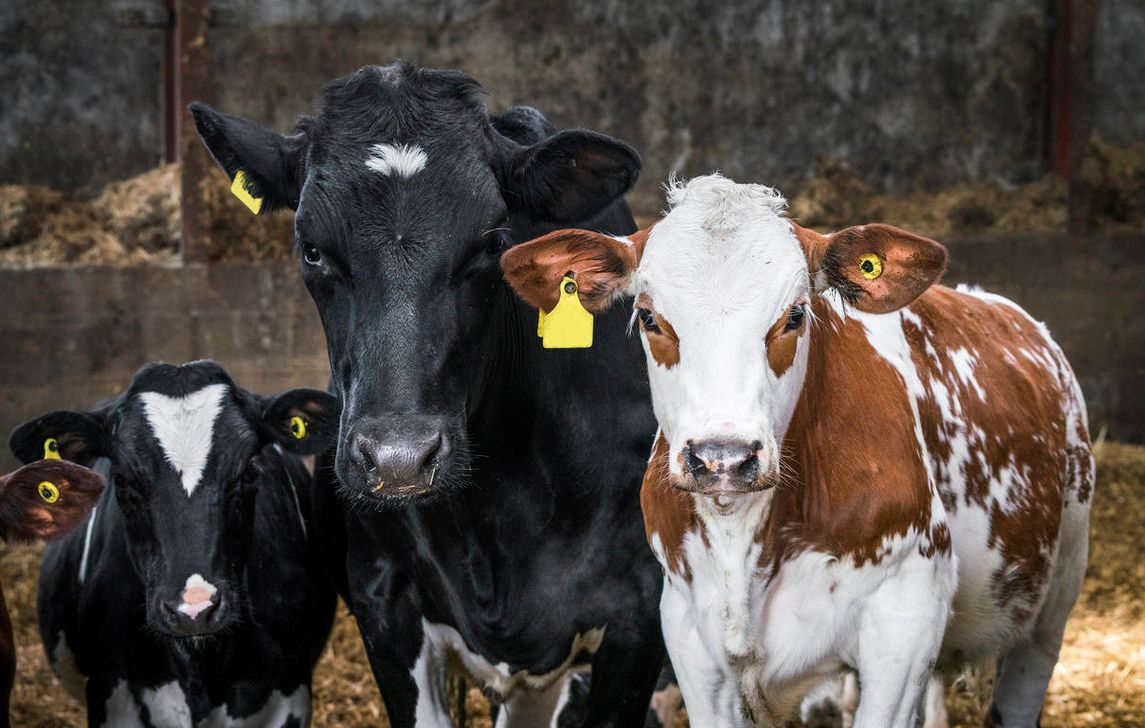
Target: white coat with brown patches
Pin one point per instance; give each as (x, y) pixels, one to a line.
(856, 470)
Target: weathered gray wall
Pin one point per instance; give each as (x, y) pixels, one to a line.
(71, 337)
(913, 94)
(1119, 70)
(80, 96)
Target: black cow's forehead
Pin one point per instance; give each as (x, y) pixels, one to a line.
(178, 380)
(395, 102)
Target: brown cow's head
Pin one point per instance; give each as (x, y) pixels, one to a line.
(723, 286)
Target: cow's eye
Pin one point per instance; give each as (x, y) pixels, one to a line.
(795, 317)
(311, 255)
(497, 240)
(648, 320)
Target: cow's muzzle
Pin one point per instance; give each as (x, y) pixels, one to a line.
(724, 467)
(396, 456)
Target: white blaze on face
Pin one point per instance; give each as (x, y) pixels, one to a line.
(722, 268)
(401, 160)
(184, 427)
(197, 595)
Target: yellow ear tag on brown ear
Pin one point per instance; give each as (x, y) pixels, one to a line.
(48, 491)
(298, 427)
(568, 325)
(870, 266)
(239, 190)
(51, 449)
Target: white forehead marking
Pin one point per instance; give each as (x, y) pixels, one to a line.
(403, 160)
(184, 426)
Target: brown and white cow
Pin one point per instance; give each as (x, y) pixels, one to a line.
(42, 500)
(856, 470)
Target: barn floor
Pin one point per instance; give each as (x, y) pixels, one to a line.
(1100, 679)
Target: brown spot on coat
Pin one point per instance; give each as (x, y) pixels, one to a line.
(782, 345)
(668, 513)
(664, 344)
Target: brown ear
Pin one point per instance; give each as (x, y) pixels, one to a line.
(877, 268)
(46, 499)
(601, 266)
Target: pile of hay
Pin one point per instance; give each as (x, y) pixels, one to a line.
(1099, 681)
(132, 222)
(1112, 195)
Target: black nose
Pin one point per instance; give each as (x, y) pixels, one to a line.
(710, 461)
(400, 451)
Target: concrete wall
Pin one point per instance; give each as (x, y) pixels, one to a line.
(80, 95)
(74, 336)
(911, 93)
(71, 337)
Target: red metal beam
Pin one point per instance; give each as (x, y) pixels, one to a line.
(192, 82)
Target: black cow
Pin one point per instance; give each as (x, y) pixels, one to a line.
(517, 550)
(199, 589)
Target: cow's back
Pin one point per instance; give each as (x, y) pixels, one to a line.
(1004, 426)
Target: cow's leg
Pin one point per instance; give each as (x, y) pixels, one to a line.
(710, 691)
(532, 708)
(624, 672)
(900, 631)
(934, 709)
(666, 701)
(1025, 670)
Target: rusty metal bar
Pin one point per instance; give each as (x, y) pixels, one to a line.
(192, 82)
(1071, 100)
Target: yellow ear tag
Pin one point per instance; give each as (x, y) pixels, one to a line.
(48, 491)
(568, 325)
(870, 266)
(239, 190)
(298, 427)
(51, 449)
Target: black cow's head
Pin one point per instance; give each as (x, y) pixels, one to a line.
(186, 450)
(406, 193)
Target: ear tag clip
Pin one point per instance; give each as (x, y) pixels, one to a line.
(298, 427)
(48, 491)
(568, 325)
(870, 266)
(51, 449)
(239, 190)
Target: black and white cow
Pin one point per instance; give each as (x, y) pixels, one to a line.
(504, 533)
(199, 592)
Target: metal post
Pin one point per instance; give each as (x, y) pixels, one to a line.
(1071, 100)
(192, 82)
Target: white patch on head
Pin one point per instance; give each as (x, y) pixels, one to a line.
(64, 665)
(722, 267)
(193, 592)
(401, 160)
(184, 427)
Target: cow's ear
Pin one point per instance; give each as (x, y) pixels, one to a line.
(304, 421)
(876, 268)
(271, 163)
(46, 499)
(571, 176)
(80, 437)
(601, 265)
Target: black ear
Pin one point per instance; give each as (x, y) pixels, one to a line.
(304, 421)
(571, 176)
(272, 163)
(80, 437)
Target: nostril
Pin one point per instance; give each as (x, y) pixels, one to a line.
(363, 454)
(693, 463)
(749, 468)
(430, 449)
